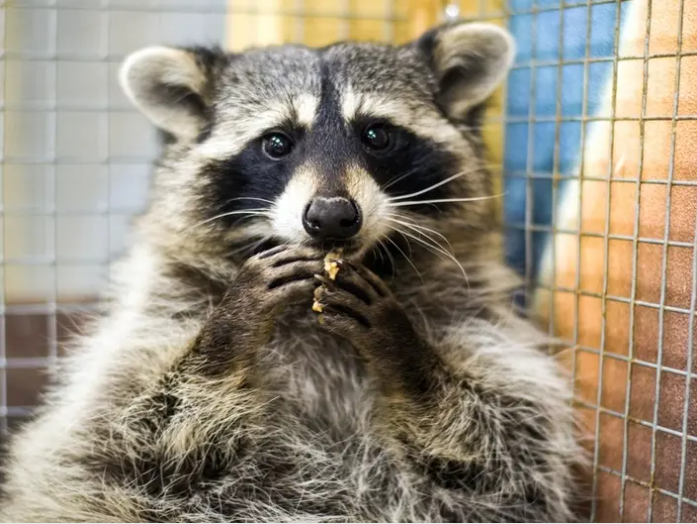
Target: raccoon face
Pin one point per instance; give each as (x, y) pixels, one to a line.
(334, 146)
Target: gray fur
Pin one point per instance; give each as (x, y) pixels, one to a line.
(166, 413)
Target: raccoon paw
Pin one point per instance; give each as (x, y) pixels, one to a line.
(276, 278)
(359, 306)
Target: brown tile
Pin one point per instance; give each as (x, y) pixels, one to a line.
(619, 282)
(684, 150)
(608, 495)
(676, 327)
(659, 98)
(630, 76)
(692, 410)
(636, 503)
(592, 255)
(565, 314)
(689, 40)
(660, 133)
(679, 277)
(590, 321)
(652, 213)
(683, 206)
(639, 450)
(68, 326)
(643, 392)
(665, 508)
(611, 441)
(668, 455)
(689, 513)
(694, 345)
(649, 260)
(586, 432)
(26, 336)
(586, 380)
(24, 385)
(672, 401)
(690, 485)
(614, 384)
(646, 333)
(594, 221)
(622, 210)
(563, 355)
(617, 327)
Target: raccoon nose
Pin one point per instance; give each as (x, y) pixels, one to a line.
(336, 218)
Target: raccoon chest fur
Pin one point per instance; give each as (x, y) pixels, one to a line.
(321, 373)
(302, 445)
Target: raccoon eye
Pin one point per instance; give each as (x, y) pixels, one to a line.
(277, 145)
(377, 137)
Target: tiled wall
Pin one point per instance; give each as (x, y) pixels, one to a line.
(75, 163)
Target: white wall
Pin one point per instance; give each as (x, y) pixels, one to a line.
(76, 157)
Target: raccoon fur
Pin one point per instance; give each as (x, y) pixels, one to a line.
(212, 392)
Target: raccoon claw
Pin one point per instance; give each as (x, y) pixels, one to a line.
(358, 305)
(276, 277)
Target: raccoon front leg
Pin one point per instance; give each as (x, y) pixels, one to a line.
(140, 448)
(359, 306)
(244, 321)
(489, 428)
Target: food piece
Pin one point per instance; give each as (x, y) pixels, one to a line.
(316, 306)
(332, 263)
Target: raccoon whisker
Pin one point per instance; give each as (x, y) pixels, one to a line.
(443, 200)
(250, 246)
(408, 259)
(436, 250)
(244, 217)
(432, 187)
(389, 255)
(411, 253)
(398, 178)
(428, 237)
(402, 176)
(406, 238)
(250, 212)
(413, 225)
(438, 184)
(377, 250)
(251, 198)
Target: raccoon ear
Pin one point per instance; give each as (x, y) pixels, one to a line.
(469, 60)
(170, 86)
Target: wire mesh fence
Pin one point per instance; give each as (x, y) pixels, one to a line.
(593, 134)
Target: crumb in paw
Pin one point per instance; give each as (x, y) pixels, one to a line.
(316, 306)
(332, 263)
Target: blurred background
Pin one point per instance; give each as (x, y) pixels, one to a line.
(592, 141)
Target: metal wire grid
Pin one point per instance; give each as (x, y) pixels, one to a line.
(684, 505)
(530, 228)
(52, 306)
(72, 49)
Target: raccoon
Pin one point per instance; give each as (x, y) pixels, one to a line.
(212, 392)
